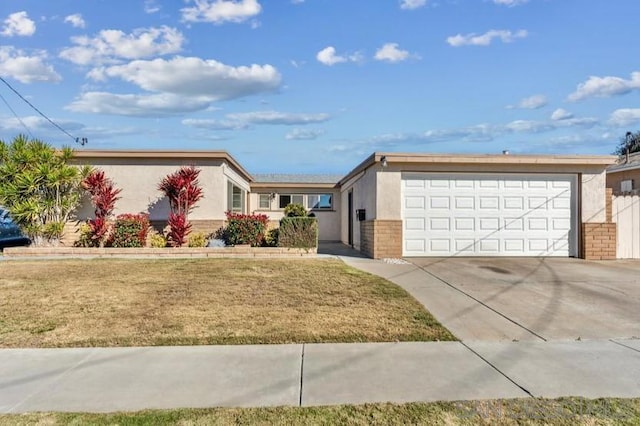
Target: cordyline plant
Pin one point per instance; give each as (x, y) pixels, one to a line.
(183, 191)
(39, 187)
(103, 197)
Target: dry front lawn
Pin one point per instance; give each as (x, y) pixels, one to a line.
(561, 412)
(203, 301)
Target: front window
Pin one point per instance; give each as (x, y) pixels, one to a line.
(319, 201)
(285, 200)
(235, 198)
(265, 201)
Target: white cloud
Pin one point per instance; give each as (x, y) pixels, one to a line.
(561, 114)
(473, 39)
(26, 68)
(220, 11)
(18, 24)
(328, 56)
(213, 124)
(625, 117)
(304, 134)
(276, 117)
(76, 20)
(390, 52)
(604, 87)
(532, 102)
(510, 3)
(113, 45)
(245, 120)
(482, 132)
(190, 76)
(412, 4)
(36, 123)
(151, 6)
(297, 1)
(154, 105)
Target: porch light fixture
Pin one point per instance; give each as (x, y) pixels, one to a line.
(383, 161)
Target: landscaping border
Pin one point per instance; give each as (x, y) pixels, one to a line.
(182, 252)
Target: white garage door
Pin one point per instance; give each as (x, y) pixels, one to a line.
(456, 214)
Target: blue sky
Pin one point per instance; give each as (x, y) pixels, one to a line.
(317, 85)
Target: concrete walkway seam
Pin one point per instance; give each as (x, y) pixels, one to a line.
(301, 375)
(623, 345)
(54, 382)
(498, 370)
(478, 301)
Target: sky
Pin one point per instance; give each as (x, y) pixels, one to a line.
(315, 86)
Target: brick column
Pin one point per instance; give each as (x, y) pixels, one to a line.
(609, 205)
(381, 239)
(599, 241)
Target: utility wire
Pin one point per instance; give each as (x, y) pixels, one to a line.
(81, 141)
(16, 116)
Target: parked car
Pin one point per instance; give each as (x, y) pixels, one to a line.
(10, 233)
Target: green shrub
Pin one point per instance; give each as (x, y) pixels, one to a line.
(130, 230)
(86, 237)
(197, 240)
(295, 210)
(245, 229)
(298, 232)
(271, 237)
(157, 241)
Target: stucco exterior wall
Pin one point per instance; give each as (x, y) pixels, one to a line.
(328, 220)
(139, 178)
(364, 188)
(594, 209)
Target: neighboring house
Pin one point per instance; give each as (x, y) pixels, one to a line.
(394, 205)
(624, 176)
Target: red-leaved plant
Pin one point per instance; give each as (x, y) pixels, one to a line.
(103, 197)
(183, 191)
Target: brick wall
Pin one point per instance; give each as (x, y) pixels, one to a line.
(205, 226)
(381, 238)
(599, 241)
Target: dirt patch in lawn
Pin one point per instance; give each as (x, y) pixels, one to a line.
(203, 301)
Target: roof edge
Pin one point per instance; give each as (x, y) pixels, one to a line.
(165, 154)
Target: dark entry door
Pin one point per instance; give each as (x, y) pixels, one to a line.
(350, 210)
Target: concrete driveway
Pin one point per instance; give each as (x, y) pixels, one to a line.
(530, 298)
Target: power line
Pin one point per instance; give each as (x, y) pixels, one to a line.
(81, 141)
(16, 116)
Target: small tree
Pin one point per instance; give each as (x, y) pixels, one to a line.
(103, 197)
(631, 141)
(39, 187)
(183, 191)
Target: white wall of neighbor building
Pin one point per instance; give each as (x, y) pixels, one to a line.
(139, 178)
(328, 220)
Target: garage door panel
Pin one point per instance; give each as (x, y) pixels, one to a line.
(439, 224)
(465, 246)
(489, 246)
(414, 202)
(465, 224)
(489, 215)
(489, 203)
(414, 224)
(465, 203)
(439, 202)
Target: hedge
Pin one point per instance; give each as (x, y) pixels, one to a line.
(298, 232)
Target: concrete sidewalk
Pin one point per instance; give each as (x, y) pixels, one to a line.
(116, 379)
